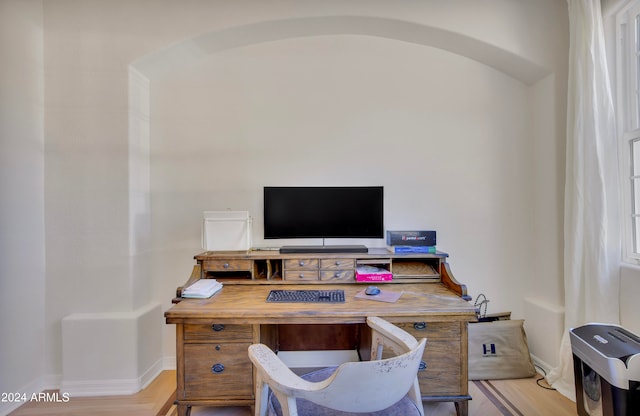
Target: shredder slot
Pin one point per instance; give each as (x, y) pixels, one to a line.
(609, 340)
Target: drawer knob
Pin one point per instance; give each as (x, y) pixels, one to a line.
(419, 326)
(337, 274)
(337, 263)
(301, 263)
(217, 368)
(217, 327)
(422, 366)
(301, 276)
(226, 265)
(218, 347)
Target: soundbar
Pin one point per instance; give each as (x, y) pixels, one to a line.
(324, 249)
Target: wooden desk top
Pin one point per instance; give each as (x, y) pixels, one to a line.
(246, 304)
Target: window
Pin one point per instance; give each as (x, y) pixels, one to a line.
(628, 80)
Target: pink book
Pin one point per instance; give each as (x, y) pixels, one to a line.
(372, 274)
(374, 277)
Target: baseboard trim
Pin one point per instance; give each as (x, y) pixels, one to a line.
(302, 362)
(8, 407)
(87, 388)
(151, 374)
(35, 386)
(51, 382)
(169, 363)
(545, 367)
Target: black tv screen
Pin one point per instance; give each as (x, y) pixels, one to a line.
(323, 212)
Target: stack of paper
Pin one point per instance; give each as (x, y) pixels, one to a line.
(203, 288)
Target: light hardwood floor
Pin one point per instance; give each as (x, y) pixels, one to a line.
(521, 397)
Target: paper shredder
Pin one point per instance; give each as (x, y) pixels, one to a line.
(606, 364)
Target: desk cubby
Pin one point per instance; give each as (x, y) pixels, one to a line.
(320, 268)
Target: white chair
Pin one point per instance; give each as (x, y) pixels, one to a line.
(377, 387)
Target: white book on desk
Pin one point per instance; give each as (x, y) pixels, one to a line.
(203, 288)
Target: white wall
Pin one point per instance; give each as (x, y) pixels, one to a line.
(231, 116)
(22, 157)
(470, 94)
(445, 135)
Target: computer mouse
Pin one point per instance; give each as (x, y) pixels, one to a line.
(372, 290)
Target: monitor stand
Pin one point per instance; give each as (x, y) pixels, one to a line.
(324, 249)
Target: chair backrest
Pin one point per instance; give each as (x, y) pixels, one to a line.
(359, 387)
(369, 386)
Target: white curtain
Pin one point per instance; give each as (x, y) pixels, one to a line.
(591, 217)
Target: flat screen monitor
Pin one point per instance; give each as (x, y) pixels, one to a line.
(323, 212)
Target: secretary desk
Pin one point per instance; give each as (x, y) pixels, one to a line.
(213, 334)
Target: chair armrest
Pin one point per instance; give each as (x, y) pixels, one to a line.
(276, 374)
(392, 332)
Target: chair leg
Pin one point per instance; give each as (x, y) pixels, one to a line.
(376, 345)
(262, 398)
(288, 405)
(416, 397)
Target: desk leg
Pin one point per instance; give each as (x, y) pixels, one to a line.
(184, 410)
(462, 408)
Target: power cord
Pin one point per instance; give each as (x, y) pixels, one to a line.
(542, 378)
(481, 304)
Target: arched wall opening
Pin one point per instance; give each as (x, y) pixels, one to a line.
(215, 117)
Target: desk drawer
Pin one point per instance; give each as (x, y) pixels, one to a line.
(337, 275)
(442, 375)
(301, 264)
(337, 264)
(223, 265)
(218, 332)
(443, 357)
(217, 370)
(301, 275)
(432, 330)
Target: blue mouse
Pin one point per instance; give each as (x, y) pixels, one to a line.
(372, 290)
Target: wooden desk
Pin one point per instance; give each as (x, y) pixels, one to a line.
(212, 335)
